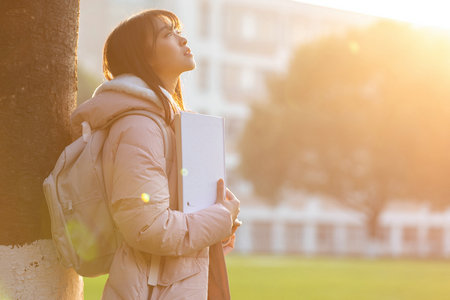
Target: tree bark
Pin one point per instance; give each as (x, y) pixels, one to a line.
(38, 42)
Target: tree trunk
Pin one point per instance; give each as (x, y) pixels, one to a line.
(375, 208)
(38, 43)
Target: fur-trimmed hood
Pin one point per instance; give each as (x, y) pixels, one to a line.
(123, 93)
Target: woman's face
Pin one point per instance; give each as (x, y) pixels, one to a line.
(171, 55)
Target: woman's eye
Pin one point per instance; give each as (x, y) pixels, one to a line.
(177, 32)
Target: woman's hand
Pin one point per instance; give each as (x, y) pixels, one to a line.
(228, 243)
(227, 199)
(232, 204)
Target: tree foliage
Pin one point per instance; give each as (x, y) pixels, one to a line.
(362, 117)
(87, 83)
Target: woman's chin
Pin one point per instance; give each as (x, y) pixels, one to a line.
(191, 66)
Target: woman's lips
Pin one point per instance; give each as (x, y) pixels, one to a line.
(188, 52)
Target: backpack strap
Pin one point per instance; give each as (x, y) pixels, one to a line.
(156, 259)
(158, 120)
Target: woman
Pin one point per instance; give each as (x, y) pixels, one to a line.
(142, 60)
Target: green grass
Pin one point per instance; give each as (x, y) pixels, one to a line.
(272, 277)
(93, 287)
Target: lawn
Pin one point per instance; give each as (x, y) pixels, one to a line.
(284, 277)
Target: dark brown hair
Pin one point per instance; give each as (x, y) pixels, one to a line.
(127, 50)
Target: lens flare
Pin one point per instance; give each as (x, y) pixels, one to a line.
(4, 294)
(82, 239)
(354, 47)
(145, 197)
(184, 172)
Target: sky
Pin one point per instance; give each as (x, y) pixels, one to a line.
(434, 13)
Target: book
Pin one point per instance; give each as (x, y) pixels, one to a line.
(200, 144)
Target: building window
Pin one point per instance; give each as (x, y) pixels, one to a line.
(294, 237)
(356, 237)
(203, 24)
(325, 241)
(435, 241)
(233, 126)
(410, 235)
(384, 234)
(249, 27)
(410, 240)
(230, 80)
(247, 79)
(262, 236)
(242, 83)
(203, 73)
(250, 30)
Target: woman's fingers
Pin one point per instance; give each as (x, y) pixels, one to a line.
(227, 199)
(234, 228)
(220, 190)
(228, 247)
(229, 195)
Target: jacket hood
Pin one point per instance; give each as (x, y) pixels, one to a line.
(111, 98)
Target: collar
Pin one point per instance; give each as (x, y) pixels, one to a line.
(135, 86)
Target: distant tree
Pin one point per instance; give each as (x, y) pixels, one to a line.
(87, 83)
(38, 44)
(363, 118)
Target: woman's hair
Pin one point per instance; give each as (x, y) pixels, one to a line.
(128, 48)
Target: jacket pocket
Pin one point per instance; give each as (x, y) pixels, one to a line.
(176, 268)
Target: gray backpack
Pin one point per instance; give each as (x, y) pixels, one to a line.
(83, 230)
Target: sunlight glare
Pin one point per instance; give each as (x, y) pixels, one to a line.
(354, 47)
(83, 240)
(431, 13)
(145, 197)
(4, 293)
(184, 172)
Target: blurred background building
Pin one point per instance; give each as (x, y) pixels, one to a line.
(314, 226)
(238, 45)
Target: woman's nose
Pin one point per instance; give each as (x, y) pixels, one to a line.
(183, 40)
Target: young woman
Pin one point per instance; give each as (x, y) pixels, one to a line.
(142, 60)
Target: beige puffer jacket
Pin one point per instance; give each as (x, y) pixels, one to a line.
(134, 163)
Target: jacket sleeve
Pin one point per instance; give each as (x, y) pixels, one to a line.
(147, 223)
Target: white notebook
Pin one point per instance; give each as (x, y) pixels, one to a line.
(200, 141)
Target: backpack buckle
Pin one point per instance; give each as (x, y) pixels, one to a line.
(86, 129)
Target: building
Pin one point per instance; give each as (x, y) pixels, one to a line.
(237, 45)
(316, 226)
